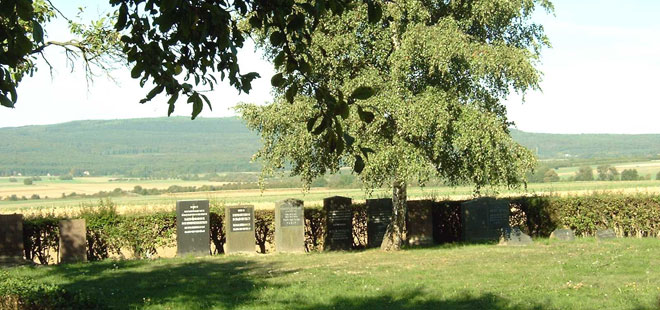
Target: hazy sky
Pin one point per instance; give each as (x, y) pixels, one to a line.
(600, 76)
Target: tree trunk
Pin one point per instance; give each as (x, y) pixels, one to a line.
(395, 235)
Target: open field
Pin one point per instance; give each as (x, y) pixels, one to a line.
(644, 168)
(585, 274)
(314, 197)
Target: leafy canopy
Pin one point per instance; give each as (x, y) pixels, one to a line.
(419, 94)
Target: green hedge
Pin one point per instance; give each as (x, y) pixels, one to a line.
(109, 233)
(26, 294)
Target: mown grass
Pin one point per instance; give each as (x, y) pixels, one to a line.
(585, 274)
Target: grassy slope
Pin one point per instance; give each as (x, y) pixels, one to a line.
(586, 274)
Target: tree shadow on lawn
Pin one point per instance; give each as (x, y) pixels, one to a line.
(199, 284)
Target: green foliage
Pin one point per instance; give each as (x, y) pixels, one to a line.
(17, 293)
(40, 237)
(13, 180)
(65, 177)
(436, 76)
(550, 176)
(657, 176)
(585, 173)
(629, 175)
(27, 181)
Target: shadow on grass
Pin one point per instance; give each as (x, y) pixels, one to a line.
(199, 284)
(418, 300)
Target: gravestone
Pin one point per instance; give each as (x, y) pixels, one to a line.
(11, 238)
(563, 235)
(338, 223)
(193, 227)
(603, 234)
(239, 227)
(379, 216)
(420, 222)
(515, 237)
(289, 226)
(73, 241)
(484, 219)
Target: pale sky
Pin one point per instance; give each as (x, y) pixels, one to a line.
(600, 76)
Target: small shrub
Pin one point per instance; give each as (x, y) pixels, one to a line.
(28, 181)
(629, 175)
(13, 180)
(66, 177)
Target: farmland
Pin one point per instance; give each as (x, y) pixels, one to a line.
(261, 199)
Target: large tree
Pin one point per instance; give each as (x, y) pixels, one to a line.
(418, 95)
(174, 47)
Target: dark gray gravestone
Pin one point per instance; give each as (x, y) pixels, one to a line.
(379, 216)
(338, 223)
(603, 234)
(73, 241)
(193, 227)
(563, 235)
(289, 226)
(420, 222)
(239, 227)
(514, 236)
(11, 238)
(484, 219)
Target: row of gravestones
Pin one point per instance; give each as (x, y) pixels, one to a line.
(73, 241)
(483, 219)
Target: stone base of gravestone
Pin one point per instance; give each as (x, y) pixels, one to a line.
(604, 234)
(11, 239)
(193, 223)
(338, 223)
(73, 241)
(239, 228)
(420, 222)
(515, 237)
(563, 235)
(289, 226)
(484, 219)
(379, 216)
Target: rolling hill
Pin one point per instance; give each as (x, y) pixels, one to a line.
(177, 145)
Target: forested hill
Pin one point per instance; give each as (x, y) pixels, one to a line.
(548, 146)
(175, 146)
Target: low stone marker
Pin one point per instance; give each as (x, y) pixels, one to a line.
(563, 235)
(239, 227)
(484, 219)
(379, 216)
(73, 241)
(289, 226)
(338, 223)
(604, 234)
(420, 222)
(11, 239)
(515, 237)
(193, 227)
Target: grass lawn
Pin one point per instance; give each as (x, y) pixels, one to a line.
(585, 274)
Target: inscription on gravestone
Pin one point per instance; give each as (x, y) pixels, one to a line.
(289, 226)
(240, 233)
(193, 227)
(484, 219)
(339, 223)
(379, 216)
(11, 238)
(420, 222)
(73, 241)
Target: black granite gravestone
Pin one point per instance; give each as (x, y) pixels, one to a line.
(379, 216)
(289, 226)
(239, 225)
(193, 227)
(11, 238)
(339, 223)
(419, 222)
(484, 219)
(563, 235)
